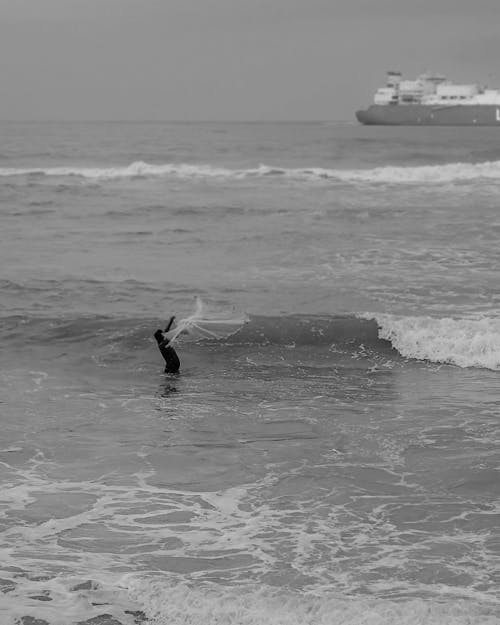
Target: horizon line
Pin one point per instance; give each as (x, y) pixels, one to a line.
(178, 121)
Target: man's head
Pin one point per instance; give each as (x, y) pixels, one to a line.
(158, 336)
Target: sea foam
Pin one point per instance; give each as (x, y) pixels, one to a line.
(181, 604)
(462, 342)
(437, 174)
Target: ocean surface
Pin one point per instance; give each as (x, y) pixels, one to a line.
(334, 461)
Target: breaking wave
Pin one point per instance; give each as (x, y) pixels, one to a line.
(181, 604)
(461, 342)
(451, 172)
(163, 599)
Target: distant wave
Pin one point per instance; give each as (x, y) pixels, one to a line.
(451, 172)
(135, 170)
(461, 342)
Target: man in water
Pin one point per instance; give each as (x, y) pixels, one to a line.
(172, 362)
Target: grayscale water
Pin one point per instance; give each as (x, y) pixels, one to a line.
(335, 461)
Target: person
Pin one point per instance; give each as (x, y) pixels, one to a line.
(172, 362)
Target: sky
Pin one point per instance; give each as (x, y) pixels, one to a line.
(231, 60)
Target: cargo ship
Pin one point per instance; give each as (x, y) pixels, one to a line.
(431, 100)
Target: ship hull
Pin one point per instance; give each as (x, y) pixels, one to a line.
(427, 115)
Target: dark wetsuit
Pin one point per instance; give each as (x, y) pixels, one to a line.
(172, 362)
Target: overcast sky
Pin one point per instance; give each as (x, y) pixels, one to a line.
(231, 59)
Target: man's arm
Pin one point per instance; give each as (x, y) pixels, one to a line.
(172, 319)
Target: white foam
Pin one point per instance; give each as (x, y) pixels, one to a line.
(210, 604)
(451, 172)
(136, 169)
(462, 342)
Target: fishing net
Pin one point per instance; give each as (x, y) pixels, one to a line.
(206, 324)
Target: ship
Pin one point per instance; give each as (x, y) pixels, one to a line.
(431, 100)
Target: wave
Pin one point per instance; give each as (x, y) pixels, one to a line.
(174, 603)
(461, 342)
(451, 172)
(166, 599)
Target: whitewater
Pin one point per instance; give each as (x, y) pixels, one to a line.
(329, 452)
(459, 172)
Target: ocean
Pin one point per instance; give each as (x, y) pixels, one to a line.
(335, 460)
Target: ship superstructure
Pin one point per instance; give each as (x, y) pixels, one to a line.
(432, 99)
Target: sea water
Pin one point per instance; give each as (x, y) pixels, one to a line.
(334, 461)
